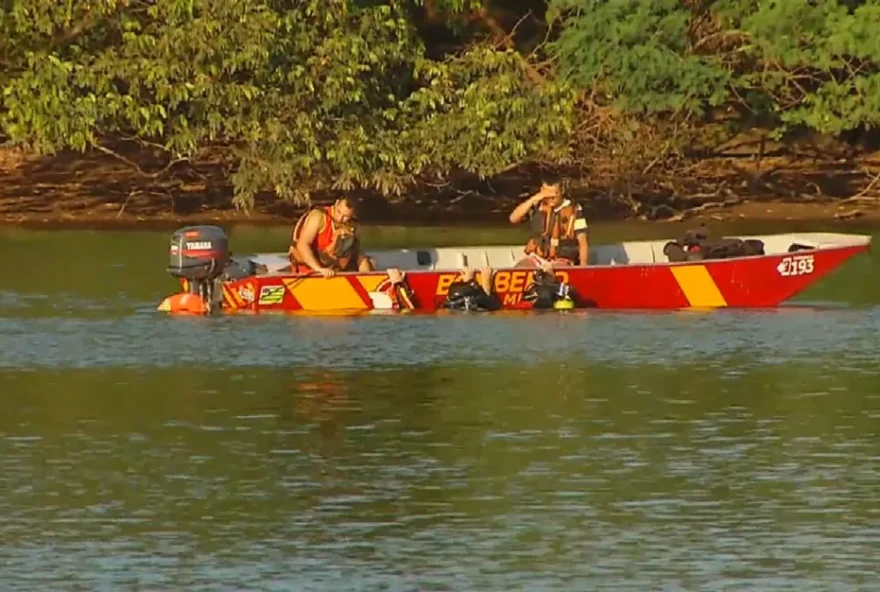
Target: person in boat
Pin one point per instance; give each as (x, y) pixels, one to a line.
(466, 293)
(559, 229)
(325, 240)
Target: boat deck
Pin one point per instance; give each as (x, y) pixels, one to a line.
(624, 253)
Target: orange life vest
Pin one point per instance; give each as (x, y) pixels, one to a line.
(554, 232)
(334, 246)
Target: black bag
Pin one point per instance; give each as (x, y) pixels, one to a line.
(725, 248)
(237, 270)
(697, 246)
(695, 236)
(675, 252)
(688, 249)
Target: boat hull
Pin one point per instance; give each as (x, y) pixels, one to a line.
(747, 282)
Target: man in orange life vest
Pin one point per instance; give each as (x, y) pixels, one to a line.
(559, 229)
(326, 240)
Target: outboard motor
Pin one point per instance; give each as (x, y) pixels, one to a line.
(199, 255)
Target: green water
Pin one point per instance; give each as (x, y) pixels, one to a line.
(584, 451)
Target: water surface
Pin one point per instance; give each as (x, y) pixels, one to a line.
(576, 451)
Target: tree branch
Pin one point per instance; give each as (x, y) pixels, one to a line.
(84, 26)
(742, 35)
(137, 167)
(866, 190)
(506, 40)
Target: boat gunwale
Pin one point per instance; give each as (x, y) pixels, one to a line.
(864, 243)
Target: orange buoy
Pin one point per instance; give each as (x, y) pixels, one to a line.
(183, 303)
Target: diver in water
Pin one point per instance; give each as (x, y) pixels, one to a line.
(547, 292)
(465, 293)
(544, 292)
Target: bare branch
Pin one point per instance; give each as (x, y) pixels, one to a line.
(135, 166)
(874, 180)
(482, 14)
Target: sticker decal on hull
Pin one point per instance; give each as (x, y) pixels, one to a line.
(271, 294)
(797, 265)
(246, 293)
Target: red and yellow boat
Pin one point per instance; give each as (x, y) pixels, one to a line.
(627, 275)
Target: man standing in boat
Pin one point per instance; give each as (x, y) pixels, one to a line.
(326, 240)
(559, 229)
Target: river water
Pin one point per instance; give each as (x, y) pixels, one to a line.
(572, 451)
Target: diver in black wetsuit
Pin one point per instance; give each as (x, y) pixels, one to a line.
(465, 293)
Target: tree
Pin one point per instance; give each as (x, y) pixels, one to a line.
(296, 96)
(796, 62)
(635, 53)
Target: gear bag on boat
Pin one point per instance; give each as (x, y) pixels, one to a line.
(237, 270)
(697, 246)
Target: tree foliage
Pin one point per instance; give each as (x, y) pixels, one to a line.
(810, 63)
(300, 95)
(303, 95)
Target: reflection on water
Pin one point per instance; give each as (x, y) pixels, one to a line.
(575, 451)
(568, 475)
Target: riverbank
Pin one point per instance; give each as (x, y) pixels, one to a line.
(84, 217)
(96, 191)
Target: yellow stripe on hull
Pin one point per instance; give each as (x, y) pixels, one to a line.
(698, 286)
(325, 294)
(371, 282)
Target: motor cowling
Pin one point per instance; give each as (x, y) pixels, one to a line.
(198, 253)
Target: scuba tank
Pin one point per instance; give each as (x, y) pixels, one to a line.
(546, 291)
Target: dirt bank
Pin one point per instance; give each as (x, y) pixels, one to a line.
(95, 190)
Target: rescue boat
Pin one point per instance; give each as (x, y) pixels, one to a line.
(627, 276)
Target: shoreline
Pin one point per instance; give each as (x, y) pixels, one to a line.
(763, 211)
(92, 191)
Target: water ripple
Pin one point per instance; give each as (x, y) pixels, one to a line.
(149, 340)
